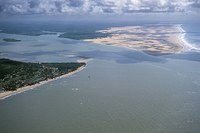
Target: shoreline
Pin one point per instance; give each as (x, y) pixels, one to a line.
(6, 94)
(150, 40)
(187, 46)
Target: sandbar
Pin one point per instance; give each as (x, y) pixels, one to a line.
(152, 39)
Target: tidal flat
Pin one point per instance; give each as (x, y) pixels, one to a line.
(152, 39)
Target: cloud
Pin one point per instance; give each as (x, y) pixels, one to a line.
(96, 6)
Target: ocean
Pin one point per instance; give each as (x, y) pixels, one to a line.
(120, 90)
(192, 34)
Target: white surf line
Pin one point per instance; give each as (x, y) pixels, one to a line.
(187, 46)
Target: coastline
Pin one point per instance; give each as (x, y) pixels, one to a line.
(187, 46)
(6, 94)
(155, 41)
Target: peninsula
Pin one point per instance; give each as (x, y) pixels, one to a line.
(23, 75)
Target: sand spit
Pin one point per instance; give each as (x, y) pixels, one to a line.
(152, 39)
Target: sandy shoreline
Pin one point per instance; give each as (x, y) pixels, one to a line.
(7, 94)
(155, 40)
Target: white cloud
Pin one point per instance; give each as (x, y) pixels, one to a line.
(96, 6)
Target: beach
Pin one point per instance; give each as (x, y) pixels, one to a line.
(6, 94)
(152, 39)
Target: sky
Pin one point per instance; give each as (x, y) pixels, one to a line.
(100, 10)
(84, 7)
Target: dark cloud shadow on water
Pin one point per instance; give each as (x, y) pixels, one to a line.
(123, 57)
(39, 45)
(6, 43)
(191, 56)
(33, 55)
(39, 53)
(71, 41)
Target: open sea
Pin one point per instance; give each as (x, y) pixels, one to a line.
(120, 90)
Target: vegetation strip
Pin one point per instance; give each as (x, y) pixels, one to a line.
(15, 74)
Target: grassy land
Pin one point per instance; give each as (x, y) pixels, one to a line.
(11, 40)
(84, 35)
(15, 74)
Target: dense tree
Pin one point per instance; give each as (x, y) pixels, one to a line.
(15, 74)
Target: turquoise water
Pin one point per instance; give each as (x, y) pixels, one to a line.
(119, 91)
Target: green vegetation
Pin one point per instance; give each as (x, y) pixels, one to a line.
(15, 74)
(11, 40)
(84, 35)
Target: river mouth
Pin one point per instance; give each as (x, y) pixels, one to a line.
(120, 90)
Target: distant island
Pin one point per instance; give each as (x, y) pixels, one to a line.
(16, 74)
(11, 40)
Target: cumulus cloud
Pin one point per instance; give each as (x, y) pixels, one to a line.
(96, 6)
